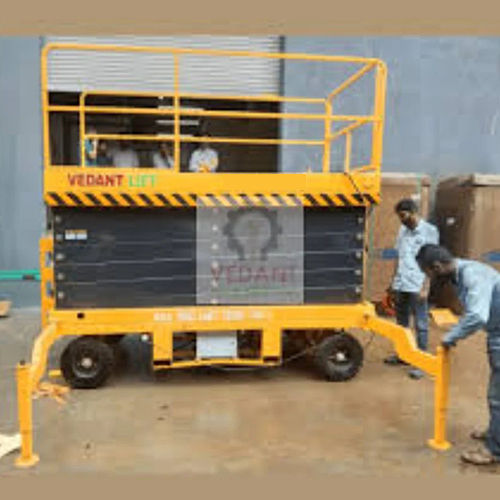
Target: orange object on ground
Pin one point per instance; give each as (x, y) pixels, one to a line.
(4, 308)
(387, 305)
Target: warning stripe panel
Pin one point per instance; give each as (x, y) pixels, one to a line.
(94, 200)
(351, 200)
(205, 201)
(67, 199)
(139, 199)
(110, 200)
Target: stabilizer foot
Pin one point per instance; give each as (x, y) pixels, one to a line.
(27, 462)
(439, 446)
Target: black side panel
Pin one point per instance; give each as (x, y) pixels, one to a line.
(124, 257)
(130, 258)
(333, 260)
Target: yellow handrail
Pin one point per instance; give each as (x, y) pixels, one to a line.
(201, 96)
(206, 52)
(368, 64)
(177, 123)
(188, 138)
(216, 114)
(350, 80)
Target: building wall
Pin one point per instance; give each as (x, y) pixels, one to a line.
(443, 101)
(21, 207)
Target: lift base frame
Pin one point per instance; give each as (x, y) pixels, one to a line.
(161, 323)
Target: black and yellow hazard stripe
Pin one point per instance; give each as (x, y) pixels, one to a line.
(138, 199)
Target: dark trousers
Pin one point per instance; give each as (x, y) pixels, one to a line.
(493, 437)
(410, 304)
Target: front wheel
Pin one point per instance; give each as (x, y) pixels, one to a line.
(339, 357)
(87, 363)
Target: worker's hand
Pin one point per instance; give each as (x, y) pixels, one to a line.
(447, 344)
(423, 294)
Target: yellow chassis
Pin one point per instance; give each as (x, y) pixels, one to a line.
(161, 323)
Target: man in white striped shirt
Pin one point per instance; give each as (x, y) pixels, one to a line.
(204, 159)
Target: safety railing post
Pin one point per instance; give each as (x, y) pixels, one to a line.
(46, 278)
(327, 146)
(47, 160)
(83, 131)
(379, 112)
(441, 388)
(177, 124)
(24, 403)
(347, 157)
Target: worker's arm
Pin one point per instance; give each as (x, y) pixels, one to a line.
(425, 290)
(477, 305)
(396, 260)
(433, 239)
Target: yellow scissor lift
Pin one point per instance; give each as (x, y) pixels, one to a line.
(68, 187)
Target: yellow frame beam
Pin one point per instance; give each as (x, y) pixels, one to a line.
(66, 179)
(271, 320)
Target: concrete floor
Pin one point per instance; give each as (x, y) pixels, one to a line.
(284, 420)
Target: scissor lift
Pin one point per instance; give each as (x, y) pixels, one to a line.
(179, 233)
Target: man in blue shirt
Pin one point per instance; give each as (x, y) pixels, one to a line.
(90, 147)
(409, 284)
(478, 289)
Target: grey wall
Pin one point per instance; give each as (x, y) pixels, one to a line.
(21, 207)
(443, 100)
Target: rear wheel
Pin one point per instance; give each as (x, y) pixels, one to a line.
(339, 357)
(87, 363)
(112, 339)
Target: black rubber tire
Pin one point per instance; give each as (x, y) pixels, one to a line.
(339, 370)
(99, 352)
(120, 356)
(112, 339)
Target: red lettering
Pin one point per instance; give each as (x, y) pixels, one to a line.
(75, 179)
(110, 180)
(279, 274)
(229, 270)
(95, 179)
(261, 274)
(248, 277)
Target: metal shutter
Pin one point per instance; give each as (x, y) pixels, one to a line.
(74, 71)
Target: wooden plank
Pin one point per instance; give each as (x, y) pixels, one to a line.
(443, 317)
(4, 308)
(485, 180)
